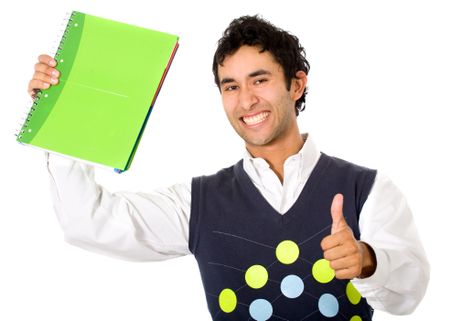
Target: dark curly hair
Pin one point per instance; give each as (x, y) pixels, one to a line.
(256, 31)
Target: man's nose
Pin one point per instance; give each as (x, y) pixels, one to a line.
(247, 98)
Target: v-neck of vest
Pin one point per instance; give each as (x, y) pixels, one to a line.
(302, 199)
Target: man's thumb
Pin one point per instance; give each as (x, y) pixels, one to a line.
(337, 214)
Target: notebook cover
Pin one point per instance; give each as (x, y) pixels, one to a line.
(111, 73)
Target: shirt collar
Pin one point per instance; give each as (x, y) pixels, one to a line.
(305, 160)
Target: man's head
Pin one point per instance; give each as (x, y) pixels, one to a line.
(255, 31)
(261, 74)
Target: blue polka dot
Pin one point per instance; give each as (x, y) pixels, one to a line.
(292, 286)
(261, 310)
(328, 305)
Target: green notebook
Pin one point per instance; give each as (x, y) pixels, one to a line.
(111, 73)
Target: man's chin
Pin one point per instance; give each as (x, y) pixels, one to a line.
(257, 141)
(253, 139)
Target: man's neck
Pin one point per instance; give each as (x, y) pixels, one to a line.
(276, 154)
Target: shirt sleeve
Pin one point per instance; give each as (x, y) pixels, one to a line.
(402, 273)
(131, 226)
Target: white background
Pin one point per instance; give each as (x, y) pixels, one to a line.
(378, 97)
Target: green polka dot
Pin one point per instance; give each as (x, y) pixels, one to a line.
(322, 271)
(287, 252)
(256, 276)
(352, 294)
(227, 300)
(356, 318)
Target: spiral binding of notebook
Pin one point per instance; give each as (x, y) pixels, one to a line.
(57, 47)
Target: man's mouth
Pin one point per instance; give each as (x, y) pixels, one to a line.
(255, 119)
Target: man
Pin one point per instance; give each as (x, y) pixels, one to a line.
(288, 233)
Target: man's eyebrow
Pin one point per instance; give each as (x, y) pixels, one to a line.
(253, 74)
(226, 81)
(259, 72)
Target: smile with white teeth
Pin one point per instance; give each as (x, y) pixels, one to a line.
(255, 119)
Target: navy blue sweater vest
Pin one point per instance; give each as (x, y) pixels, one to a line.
(256, 264)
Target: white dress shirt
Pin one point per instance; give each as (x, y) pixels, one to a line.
(155, 226)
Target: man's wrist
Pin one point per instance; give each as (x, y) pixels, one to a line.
(369, 261)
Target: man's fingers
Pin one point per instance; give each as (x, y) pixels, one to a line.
(329, 242)
(340, 247)
(347, 274)
(45, 78)
(348, 262)
(41, 80)
(338, 252)
(37, 84)
(337, 214)
(44, 75)
(48, 60)
(46, 69)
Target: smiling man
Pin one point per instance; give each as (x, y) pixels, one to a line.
(259, 103)
(288, 232)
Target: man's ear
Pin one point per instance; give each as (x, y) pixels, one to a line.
(298, 84)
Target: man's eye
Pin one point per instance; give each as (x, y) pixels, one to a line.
(231, 88)
(260, 81)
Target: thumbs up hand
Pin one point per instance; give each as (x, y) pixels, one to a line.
(348, 257)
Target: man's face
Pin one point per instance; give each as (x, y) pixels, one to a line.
(255, 98)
